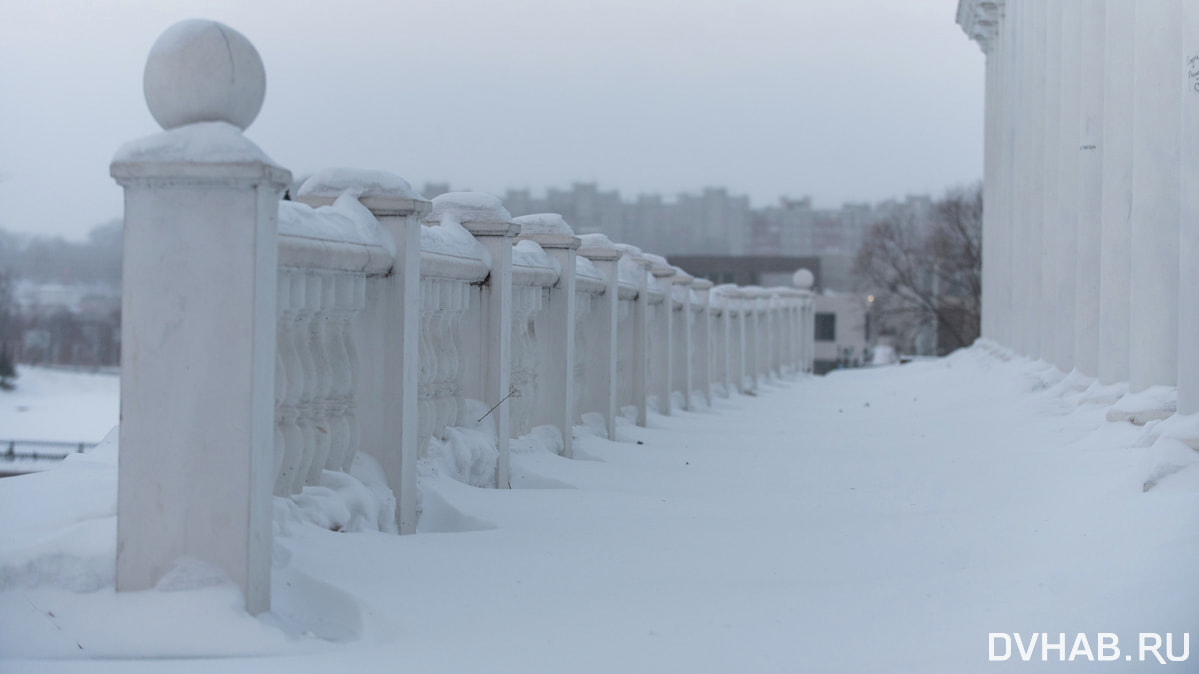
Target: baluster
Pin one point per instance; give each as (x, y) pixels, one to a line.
(281, 301)
(302, 303)
(426, 364)
(352, 365)
(318, 329)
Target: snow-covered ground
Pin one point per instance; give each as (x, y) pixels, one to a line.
(881, 520)
(56, 406)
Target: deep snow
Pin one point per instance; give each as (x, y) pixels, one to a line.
(881, 520)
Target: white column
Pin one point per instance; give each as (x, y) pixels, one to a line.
(1115, 242)
(703, 345)
(198, 320)
(991, 210)
(605, 337)
(1030, 173)
(1157, 127)
(1066, 248)
(1012, 328)
(1050, 178)
(1188, 250)
(641, 344)
(1091, 149)
(664, 338)
(496, 339)
(556, 405)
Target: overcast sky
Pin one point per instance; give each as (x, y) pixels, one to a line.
(837, 99)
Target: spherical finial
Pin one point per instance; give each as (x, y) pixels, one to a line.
(203, 71)
(803, 279)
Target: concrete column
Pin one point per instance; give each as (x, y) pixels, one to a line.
(556, 406)
(1188, 250)
(1011, 327)
(1051, 179)
(1115, 221)
(991, 234)
(1091, 149)
(1068, 152)
(1156, 184)
(605, 336)
(703, 342)
(682, 345)
(198, 319)
(641, 344)
(664, 335)
(389, 428)
(496, 236)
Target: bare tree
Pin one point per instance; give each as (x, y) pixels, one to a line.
(927, 275)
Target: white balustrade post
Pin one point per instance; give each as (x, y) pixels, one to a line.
(198, 319)
(1091, 148)
(736, 296)
(703, 346)
(682, 343)
(1115, 240)
(1156, 183)
(605, 339)
(664, 338)
(1188, 250)
(640, 371)
(387, 390)
(556, 406)
(803, 280)
(496, 237)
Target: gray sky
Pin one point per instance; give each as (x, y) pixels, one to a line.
(837, 99)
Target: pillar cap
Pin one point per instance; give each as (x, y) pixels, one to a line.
(203, 71)
(382, 192)
(803, 279)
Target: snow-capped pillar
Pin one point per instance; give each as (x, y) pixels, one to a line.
(1116, 231)
(664, 337)
(605, 338)
(703, 345)
(198, 319)
(496, 237)
(641, 344)
(1091, 149)
(681, 360)
(803, 280)
(1046, 297)
(736, 297)
(1157, 127)
(1066, 247)
(1188, 250)
(725, 353)
(389, 383)
(556, 408)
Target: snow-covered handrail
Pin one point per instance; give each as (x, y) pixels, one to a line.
(363, 318)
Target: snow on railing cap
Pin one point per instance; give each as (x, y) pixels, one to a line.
(465, 207)
(701, 284)
(203, 71)
(681, 277)
(803, 279)
(360, 183)
(659, 266)
(543, 223)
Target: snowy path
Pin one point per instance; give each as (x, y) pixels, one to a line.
(870, 521)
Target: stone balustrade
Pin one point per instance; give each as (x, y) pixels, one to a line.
(362, 318)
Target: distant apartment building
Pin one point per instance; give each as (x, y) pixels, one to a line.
(716, 223)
